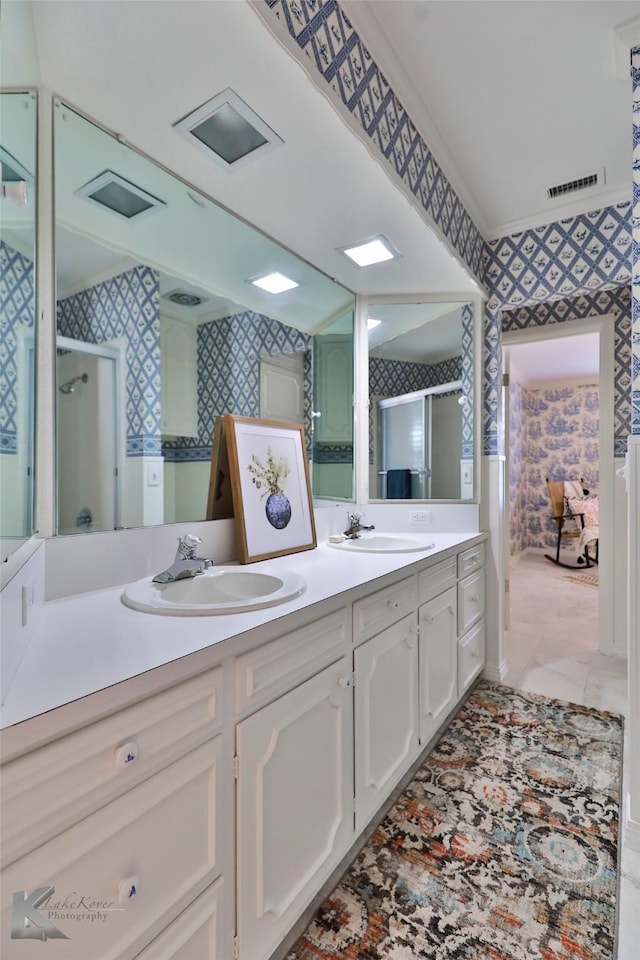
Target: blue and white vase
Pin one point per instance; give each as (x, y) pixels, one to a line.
(278, 510)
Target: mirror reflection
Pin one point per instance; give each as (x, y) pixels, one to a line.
(161, 328)
(17, 317)
(421, 438)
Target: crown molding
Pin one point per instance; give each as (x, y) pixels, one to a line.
(568, 210)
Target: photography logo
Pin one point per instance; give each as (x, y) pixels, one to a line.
(27, 923)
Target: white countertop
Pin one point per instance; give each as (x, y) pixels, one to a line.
(89, 643)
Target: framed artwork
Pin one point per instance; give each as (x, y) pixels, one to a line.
(270, 487)
(219, 500)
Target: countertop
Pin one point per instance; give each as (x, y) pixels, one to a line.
(91, 642)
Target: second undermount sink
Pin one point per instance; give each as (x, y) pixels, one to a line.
(218, 591)
(385, 543)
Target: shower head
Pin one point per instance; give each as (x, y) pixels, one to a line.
(69, 386)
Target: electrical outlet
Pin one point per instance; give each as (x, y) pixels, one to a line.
(420, 516)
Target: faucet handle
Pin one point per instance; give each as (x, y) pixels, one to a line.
(187, 546)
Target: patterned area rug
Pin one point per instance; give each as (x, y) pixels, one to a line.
(503, 847)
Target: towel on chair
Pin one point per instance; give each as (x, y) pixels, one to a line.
(573, 488)
(398, 484)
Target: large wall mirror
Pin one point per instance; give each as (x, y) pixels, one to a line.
(161, 327)
(17, 317)
(421, 400)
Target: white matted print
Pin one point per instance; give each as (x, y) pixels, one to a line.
(270, 486)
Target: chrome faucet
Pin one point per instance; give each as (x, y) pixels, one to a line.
(355, 528)
(186, 563)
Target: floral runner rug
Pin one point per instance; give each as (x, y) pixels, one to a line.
(502, 847)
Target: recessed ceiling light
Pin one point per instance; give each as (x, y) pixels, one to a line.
(371, 323)
(112, 192)
(275, 283)
(228, 130)
(370, 251)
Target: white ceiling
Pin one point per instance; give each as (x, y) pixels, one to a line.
(511, 95)
(556, 359)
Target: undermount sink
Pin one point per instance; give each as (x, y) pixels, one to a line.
(385, 543)
(219, 590)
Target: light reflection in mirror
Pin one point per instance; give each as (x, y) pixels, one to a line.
(170, 297)
(421, 436)
(17, 317)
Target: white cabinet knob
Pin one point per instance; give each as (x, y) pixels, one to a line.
(393, 604)
(346, 682)
(128, 888)
(126, 754)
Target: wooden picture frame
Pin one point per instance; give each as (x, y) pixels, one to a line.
(219, 499)
(270, 487)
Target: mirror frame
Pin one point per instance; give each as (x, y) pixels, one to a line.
(361, 345)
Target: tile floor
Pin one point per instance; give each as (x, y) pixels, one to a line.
(551, 649)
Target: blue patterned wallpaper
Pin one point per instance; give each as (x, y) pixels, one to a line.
(128, 307)
(582, 262)
(391, 378)
(572, 257)
(635, 309)
(17, 308)
(327, 39)
(554, 434)
(467, 381)
(229, 352)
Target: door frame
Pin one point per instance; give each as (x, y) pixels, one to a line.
(603, 325)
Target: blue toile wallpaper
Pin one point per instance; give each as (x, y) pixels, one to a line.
(554, 434)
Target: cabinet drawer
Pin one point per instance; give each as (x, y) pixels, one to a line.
(273, 669)
(378, 611)
(470, 560)
(196, 933)
(470, 657)
(435, 580)
(470, 601)
(47, 790)
(161, 840)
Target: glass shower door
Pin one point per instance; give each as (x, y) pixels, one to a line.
(405, 442)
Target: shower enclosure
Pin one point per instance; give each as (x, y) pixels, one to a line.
(419, 444)
(87, 436)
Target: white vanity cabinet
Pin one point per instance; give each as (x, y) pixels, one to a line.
(471, 602)
(386, 695)
(211, 812)
(125, 812)
(437, 619)
(294, 816)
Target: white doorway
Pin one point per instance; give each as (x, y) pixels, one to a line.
(557, 353)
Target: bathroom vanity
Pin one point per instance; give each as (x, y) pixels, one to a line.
(193, 808)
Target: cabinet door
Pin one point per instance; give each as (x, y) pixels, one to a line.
(294, 810)
(178, 378)
(438, 661)
(386, 713)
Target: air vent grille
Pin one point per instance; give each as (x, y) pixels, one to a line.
(184, 298)
(581, 183)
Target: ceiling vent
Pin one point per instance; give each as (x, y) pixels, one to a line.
(572, 186)
(183, 298)
(117, 195)
(228, 130)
